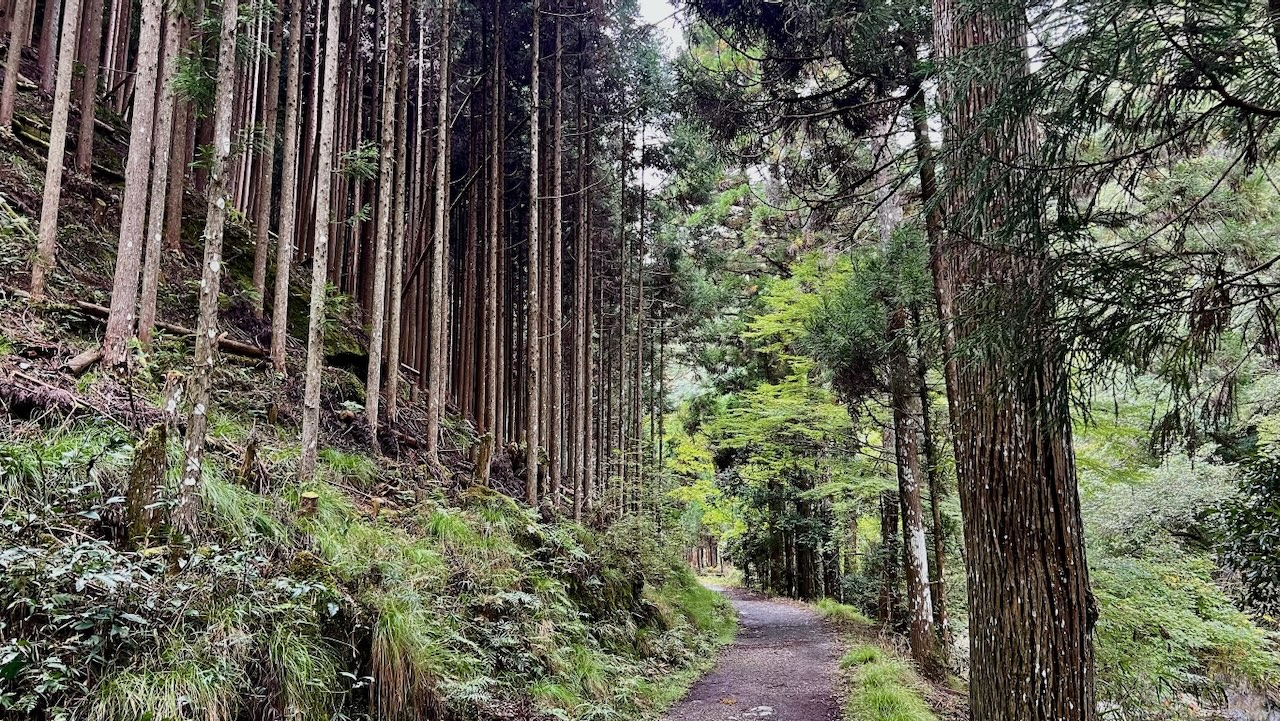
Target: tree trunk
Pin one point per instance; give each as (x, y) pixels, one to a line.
(555, 439)
(49, 44)
(262, 221)
(533, 298)
(57, 146)
(137, 184)
(320, 255)
(89, 87)
(286, 237)
(174, 31)
(185, 512)
(582, 331)
(395, 303)
(493, 362)
(1029, 599)
(905, 402)
(19, 33)
(386, 188)
(887, 608)
(439, 251)
(941, 622)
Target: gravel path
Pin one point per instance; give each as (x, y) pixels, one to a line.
(781, 667)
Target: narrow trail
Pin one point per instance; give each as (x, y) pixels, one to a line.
(781, 667)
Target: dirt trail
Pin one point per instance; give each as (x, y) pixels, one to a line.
(782, 667)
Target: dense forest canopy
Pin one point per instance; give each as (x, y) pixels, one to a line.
(388, 359)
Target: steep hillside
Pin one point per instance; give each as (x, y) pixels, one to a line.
(385, 587)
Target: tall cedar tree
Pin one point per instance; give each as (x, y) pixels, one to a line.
(533, 292)
(1030, 607)
(160, 188)
(288, 190)
(48, 242)
(137, 184)
(320, 257)
(185, 512)
(386, 187)
(439, 248)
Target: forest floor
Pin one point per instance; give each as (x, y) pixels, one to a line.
(783, 666)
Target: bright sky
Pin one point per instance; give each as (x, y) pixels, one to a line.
(661, 14)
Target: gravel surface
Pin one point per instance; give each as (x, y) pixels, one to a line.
(781, 667)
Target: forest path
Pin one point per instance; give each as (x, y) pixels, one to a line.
(781, 667)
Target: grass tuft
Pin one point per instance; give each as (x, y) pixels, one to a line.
(861, 655)
(883, 688)
(842, 614)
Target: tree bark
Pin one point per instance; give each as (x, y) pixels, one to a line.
(186, 511)
(533, 297)
(286, 237)
(492, 326)
(19, 33)
(262, 220)
(174, 32)
(941, 621)
(88, 87)
(905, 402)
(395, 303)
(555, 439)
(124, 289)
(439, 251)
(1029, 601)
(48, 242)
(320, 255)
(386, 187)
(49, 44)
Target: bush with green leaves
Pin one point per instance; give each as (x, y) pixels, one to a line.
(1250, 524)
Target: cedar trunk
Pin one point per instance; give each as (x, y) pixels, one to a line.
(137, 185)
(1029, 600)
(320, 255)
(57, 146)
(185, 512)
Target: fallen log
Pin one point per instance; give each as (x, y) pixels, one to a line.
(83, 361)
(224, 344)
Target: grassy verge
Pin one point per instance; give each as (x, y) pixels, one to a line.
(882, 686)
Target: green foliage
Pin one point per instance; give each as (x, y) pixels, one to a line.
(1166, 630)
(361, 162)
(435, 609)
(1251, 547)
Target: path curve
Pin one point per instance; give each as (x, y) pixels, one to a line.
(781, 667)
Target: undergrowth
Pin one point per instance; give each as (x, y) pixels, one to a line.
(883, 688)
(470, 607)
(841, 614)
